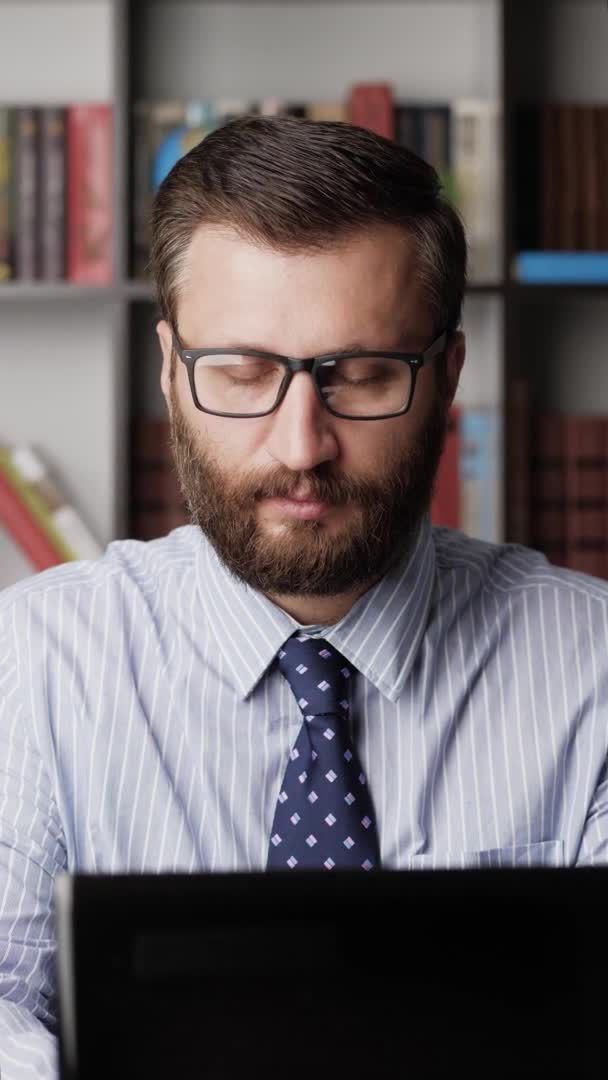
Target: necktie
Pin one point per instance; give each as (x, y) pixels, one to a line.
(324, 815)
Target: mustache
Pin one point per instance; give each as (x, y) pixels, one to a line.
(321, 485)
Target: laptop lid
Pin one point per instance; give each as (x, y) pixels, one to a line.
(314, 975)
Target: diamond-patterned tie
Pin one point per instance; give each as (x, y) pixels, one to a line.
(324, 815)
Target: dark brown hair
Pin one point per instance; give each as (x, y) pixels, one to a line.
(299, 185)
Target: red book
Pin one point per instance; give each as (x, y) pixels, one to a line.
(445, 507)
(24, 529)
(89, 199)
(371, 106)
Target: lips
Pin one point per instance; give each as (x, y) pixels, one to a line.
(301, 508)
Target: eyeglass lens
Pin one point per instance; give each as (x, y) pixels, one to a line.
(354, 386)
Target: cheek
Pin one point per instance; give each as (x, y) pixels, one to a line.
(238, 442)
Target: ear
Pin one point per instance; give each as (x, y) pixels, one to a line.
(456, 348)
(166, 345)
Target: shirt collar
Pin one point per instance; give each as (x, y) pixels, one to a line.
(380, 635)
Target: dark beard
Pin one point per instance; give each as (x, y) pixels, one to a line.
(305, 561)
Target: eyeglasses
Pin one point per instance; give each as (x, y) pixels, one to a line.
(354, 385)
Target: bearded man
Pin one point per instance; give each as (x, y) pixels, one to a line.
(309, 674)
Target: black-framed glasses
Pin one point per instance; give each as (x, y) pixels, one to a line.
(245, 383)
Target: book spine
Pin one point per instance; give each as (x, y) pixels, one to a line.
(371, 106)
(59, 515)
(517, 471)
(7, 265)
(549, 173)
(52, 193)
(602, 156)
(36, 505)
(407, 121)
(547, 504)
(568, 179)
(480, 509)
(584, 493)
(477, 178)
(24, 528)
(142, 189)
(445, 505)
(26, 193)
(157, 504)
(89, 199)
(328, 110)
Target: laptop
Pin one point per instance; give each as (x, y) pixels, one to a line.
(311, 975)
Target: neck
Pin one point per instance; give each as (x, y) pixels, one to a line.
(319, 610)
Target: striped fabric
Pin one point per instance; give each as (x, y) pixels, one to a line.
(144, 725)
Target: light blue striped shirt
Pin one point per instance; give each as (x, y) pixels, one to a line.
(145, 726)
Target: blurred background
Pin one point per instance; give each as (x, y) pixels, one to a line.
(508, 99)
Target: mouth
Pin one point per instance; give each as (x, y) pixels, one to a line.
(302, 508)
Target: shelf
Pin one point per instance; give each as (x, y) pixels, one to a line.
(64, 290)
(55, 290)
(524, 290)
(127, 290)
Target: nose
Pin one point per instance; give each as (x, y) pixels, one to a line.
(302, 432)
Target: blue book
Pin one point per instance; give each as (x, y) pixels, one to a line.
(562, 267)
(480, 474)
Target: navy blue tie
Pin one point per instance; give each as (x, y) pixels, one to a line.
(324, 815)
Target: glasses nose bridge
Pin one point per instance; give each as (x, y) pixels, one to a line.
(294, 365)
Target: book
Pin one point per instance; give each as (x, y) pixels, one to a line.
(328, 110)
(602, 166)
(569, 491)
(30, 478)
(156, 502)
(547, 508)
(549, 189)
(557, 267)
(591, 181)
(23, 525)
(89, 194)
(480, 479)
(476, 161)
(27, 195)
(7, 191)
(517, 460)
(371, 106)
(568, 178)
(445, 505)
(427, 131)
(585, 445)
(52, 168)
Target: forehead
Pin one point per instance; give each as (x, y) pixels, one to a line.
(365, 288)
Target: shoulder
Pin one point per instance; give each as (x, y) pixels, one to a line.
(128, 568)
(513, 576)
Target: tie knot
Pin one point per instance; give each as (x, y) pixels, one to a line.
(317, 674)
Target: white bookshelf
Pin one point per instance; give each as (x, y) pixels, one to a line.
(87, 350)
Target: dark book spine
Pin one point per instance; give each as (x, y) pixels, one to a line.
(569, 180)
(518, 464)
(584, 442)
(156, 502)
(7, 189)
(26, 189)
(602, 156)
(445, 506)
(547, 500)
(52, 193)
(529, 209)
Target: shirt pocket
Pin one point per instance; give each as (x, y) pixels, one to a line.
(546, 853)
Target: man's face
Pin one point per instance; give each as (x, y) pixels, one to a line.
(366, 483)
